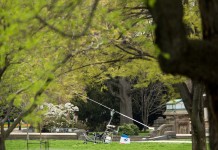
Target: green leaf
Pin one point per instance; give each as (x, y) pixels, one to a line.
(166, 55)
(151, 3)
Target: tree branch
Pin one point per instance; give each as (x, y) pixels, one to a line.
(97, 63)
(72, 36)
(209, 11)
(5, 66)
(186, 96)
(36, 96)
(178, 54)
(139, 54)
(31, 108)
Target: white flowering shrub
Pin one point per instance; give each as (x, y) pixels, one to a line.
(59, 116)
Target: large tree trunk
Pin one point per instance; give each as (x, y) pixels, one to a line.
(213, 132)
(213, 120)
(193, 100)
(121, 88)
(209, 12)
(126, 100)
(2, 136)
(196, 59)
(2, 143)
(197, 118)
(126, 110)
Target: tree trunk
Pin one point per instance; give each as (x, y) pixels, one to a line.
(126, 100)
(213, 120)
(213, 131)
(145, 113)
(129, 109)
(123, 111)
(145, 109)
(198, 140)
(144, 106)
(2, 143)
(197, 118)
(196, 59)
(126, 110)
(193, 101)
(209, 11)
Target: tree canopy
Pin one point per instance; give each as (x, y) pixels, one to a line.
(51, 49)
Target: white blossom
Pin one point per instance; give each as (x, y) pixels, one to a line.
(59, 115)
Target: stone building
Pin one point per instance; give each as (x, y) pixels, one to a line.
(177, 116)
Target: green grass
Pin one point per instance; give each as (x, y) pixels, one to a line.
(78, 145)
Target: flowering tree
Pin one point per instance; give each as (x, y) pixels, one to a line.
(58, 116)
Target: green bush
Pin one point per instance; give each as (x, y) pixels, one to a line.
(129, 129)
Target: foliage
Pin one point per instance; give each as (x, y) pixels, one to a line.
(129, 129)
(51, 50)
(192, 19)
(39, 41)
(134, 40)
(81, 125)
(13, 115)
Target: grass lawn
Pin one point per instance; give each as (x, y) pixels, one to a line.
(78, 145)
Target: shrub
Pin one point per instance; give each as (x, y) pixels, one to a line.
(80, 125)
(129, 129)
